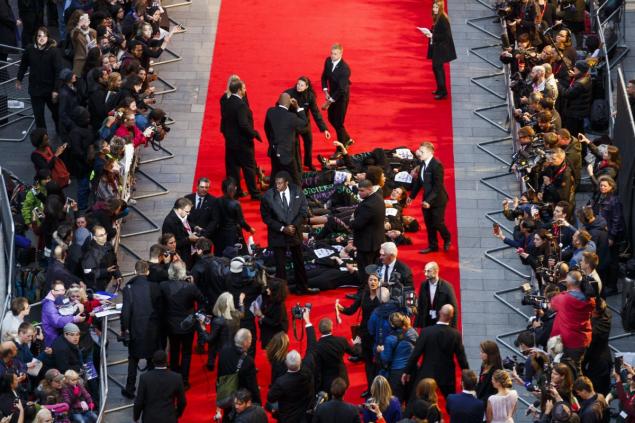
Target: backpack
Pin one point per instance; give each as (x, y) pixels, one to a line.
(628, 312)
(599, 115)
(30, 283)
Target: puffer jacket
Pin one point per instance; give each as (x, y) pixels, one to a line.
(379, 323)
(397, 349)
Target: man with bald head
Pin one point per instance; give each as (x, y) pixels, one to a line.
(434, 293)
(282, 122)
(438, 344)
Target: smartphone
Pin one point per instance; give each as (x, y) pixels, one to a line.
(497, 228)
(520, 250)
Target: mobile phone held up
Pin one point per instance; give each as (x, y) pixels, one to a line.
(497, 229)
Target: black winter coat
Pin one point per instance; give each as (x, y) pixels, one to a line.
(441, 45)
(140, 316)
(43, 65)
(578, 98)
(81, 138)
(179, 299)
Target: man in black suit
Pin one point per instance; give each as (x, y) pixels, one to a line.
(177, 224)
(284, 209)
(161, 397)
(438, 344)
(228, 361)
(329, 355)
(336, 86)
(392, 270)
(281, 126)
(204, 216)
(464, 407)
(140, 322)
(435, 198)
(239, 132)
(294, 390)
(368, 227)
(434, 293)
(336, 410)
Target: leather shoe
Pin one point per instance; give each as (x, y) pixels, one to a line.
(428, 250)
(446, 246)
(128, 394)
(354, 359)
(306, 291)
(440, 96)
(200, 349)
(352, 296)
(435, 92)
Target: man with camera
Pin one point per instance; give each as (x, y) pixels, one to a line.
(140, 322)
(294, 390)
(176, 223)
(284, 210)
(573, 321)
(336, 409)
(557, 179)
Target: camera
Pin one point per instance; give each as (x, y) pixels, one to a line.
(538, 302)
(297, 311)
(202, 317)
(511, 363)
(320, 398)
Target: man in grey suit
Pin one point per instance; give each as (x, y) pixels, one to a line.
(284, 209)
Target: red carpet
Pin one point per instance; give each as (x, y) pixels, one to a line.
(269, 44)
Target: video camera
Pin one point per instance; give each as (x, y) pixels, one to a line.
(404, 296)
(538, 302)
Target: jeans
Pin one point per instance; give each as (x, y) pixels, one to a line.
(84, 417)
(60, 19)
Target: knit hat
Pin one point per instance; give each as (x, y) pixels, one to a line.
(71, 328)
(66, 75)
(582, 66)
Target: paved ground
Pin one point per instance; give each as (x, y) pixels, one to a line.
(484, 317)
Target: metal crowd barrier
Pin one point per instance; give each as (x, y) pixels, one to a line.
(15, 105)
(511, 127)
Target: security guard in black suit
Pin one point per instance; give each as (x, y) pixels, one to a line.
(435, 197)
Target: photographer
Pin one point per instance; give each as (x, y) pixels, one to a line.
(543, 323)
(245, 411)
(560, 227)
(577, 98)
(336, 409)
(140, 322)
(573, 321)
(224, 325)
(295, 389)
(180, 296)
(626, 398)
(558, 182)
(240, 281)
(329, 355)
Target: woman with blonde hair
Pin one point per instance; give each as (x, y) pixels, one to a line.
(389, 406)
(224, 325)
(277, 350)
(501, 406)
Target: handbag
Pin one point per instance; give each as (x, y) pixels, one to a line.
(227, 385)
